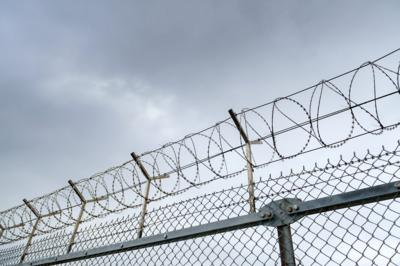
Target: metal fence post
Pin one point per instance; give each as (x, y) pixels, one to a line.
(144, 209)
(146, 200)
(286, 245)
(277, 214)
(250, 169)
(2, 229)
(146, 194)
(78, 220)
(250, 178)
(39, 216)
(84, 202)
(31, 235)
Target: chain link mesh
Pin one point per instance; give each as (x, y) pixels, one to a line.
(106, 208)
(362, 235)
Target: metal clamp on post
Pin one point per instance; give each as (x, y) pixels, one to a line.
(281, 211)
(250, 168)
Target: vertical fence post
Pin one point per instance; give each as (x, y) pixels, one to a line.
(146, 200)
(146, 194)
(78, 220)
(250, 169)
(2, 229)
(286, 245)
(31, 235)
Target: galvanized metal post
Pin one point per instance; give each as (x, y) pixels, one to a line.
(2, 229)
(76, 227)
(146, 194)
(78, 220)
(286, 245)
(28, 244)
(144, 209)
(146, 200)
(31, 235)
(250, 169)
(250, 178)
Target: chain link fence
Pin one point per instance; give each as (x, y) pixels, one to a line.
(166, 206)
(366, 234)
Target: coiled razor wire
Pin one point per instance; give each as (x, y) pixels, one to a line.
(358, 98)
(317, 238)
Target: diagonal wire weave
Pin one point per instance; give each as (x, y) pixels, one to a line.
(361, 100)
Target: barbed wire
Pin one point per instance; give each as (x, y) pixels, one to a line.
(331, 178)
(218, 152)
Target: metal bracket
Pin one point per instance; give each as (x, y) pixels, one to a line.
(281, 210)
(159, 177)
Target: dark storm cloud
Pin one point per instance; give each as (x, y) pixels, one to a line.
(84, 83)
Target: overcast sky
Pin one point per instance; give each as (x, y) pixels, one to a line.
(84, 83)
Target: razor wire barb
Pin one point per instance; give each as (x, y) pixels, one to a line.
(359, 98)
(253, 245)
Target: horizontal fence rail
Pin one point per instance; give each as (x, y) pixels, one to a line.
(141, 203)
